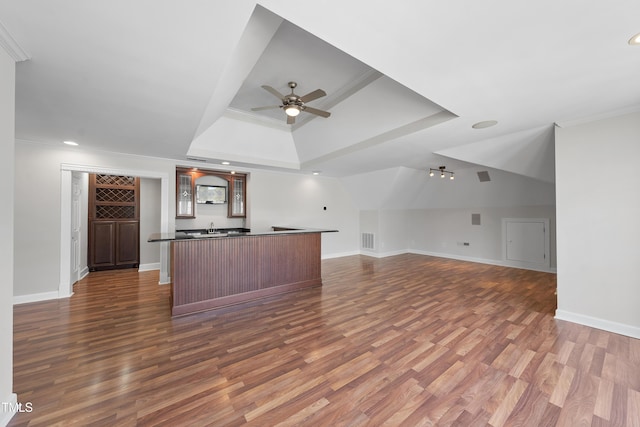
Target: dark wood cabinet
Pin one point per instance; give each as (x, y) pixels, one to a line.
(186, 185)
(103, 246)
(115, 244)
(114, 222)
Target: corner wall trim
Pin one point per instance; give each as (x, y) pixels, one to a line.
(83, 273)
(11, 46)
(603, 324)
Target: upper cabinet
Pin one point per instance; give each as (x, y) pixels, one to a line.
(186, 191)
(237, 196)
(185, 182)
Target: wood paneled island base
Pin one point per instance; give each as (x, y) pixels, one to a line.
(215, 272)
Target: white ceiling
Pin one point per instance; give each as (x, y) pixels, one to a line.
(404, 85)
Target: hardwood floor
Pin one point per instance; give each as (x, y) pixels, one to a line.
(408, 340)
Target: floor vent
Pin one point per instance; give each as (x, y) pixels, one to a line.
(367, 240)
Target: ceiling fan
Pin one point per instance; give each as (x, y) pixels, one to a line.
(293, 104)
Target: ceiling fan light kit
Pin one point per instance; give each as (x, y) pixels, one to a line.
(292, 110)
(293, 104)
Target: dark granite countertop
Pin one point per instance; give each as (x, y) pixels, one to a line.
(221, 233)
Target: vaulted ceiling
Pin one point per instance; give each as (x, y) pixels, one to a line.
(404, 84)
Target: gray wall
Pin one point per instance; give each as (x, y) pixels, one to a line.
(273, 198)
(38, 219)
(7, 124)
(441, 232)
(408, 211)
(149, 223)
(598, 211)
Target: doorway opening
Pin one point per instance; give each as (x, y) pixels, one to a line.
(69, 254)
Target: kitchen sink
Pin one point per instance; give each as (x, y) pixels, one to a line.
(207, 234)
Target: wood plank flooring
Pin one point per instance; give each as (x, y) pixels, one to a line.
(408, 340)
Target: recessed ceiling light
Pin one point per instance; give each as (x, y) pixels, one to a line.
(226, 163)
(70, 143)
(316, 172)
(485, 124)
(635, 40)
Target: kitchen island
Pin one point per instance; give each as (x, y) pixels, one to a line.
(224, 267)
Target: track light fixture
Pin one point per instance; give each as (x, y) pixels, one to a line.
(442, 171)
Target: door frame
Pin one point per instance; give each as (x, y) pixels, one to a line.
(75, 272)
(547, 244)
(65, 287)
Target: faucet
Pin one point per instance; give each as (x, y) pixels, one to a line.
(211, 229)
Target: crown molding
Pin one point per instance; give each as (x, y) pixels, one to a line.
(11, 46)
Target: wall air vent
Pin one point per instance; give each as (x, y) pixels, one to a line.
(483, 176)
(368, 241)
(475, 219)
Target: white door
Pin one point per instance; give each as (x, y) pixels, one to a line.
(76, 209)
(526, 241)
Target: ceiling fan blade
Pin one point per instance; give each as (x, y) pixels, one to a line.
(318, 93)
(265, 108)
(291, 120)
(317, 112)
(273, 91)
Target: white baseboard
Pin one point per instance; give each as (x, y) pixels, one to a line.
(12, 402)
(340, 255)
(499, 263)
(44, 296)
(83, 273)
(149, 267)
(594, 322)
(383, 254)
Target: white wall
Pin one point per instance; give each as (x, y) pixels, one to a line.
(7, 124)
(273, 199)
(390, 229)
(443, 232)
(405, 188)
(38, 219)
(408, 211)
(598, 214)
(299, 200)
(370, 223)
(149, 223)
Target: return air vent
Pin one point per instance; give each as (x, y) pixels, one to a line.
(368, 241)
(483, 176)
